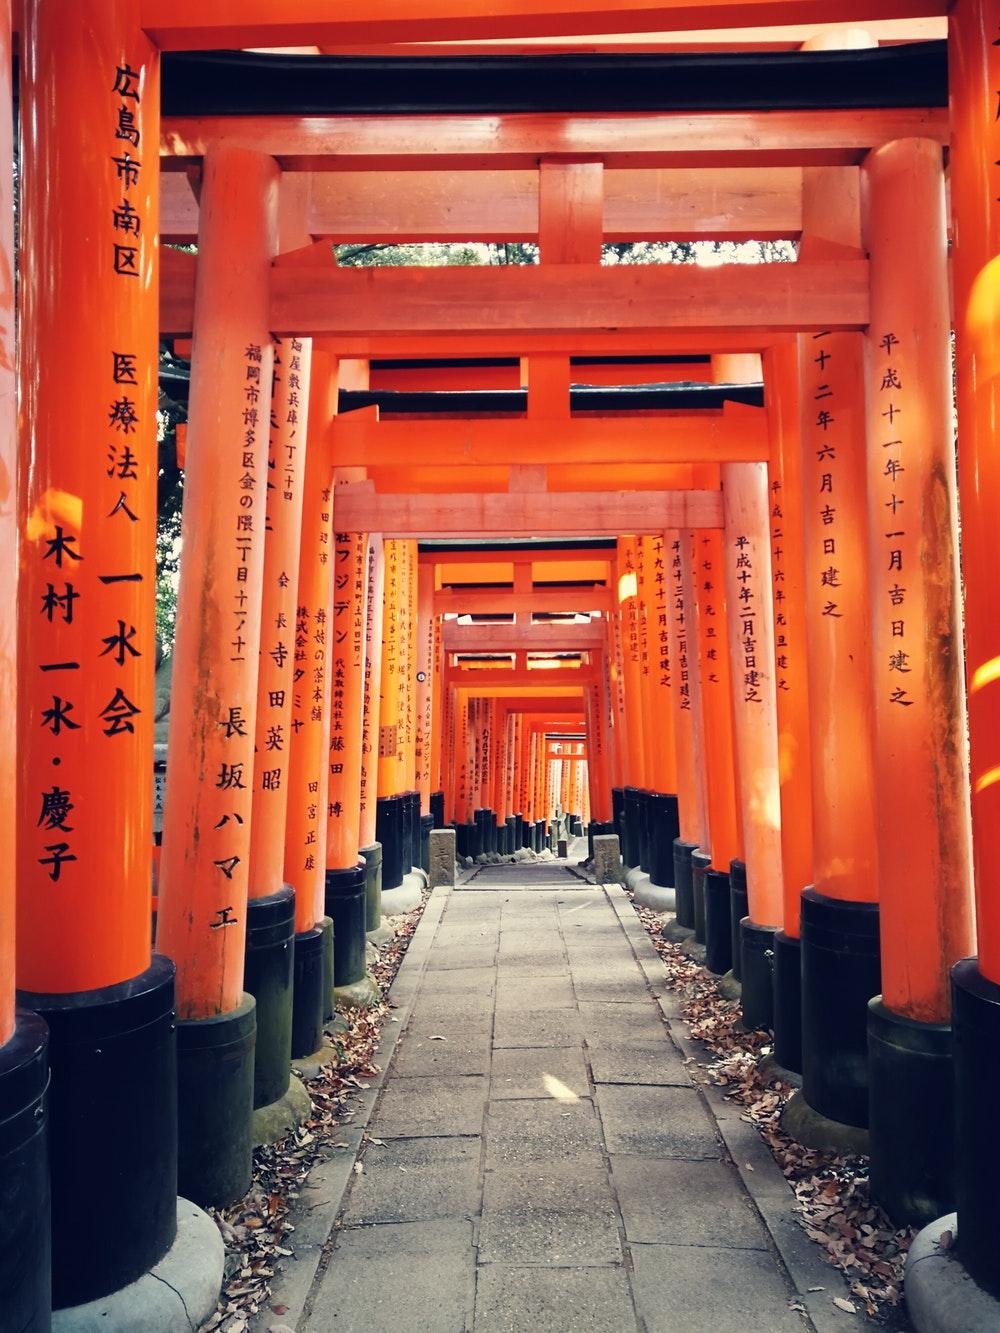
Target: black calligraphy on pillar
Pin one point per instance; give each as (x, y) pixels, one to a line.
(746, 606)
(779, 596)
(680, 622)
(825, 474)
(889, 392)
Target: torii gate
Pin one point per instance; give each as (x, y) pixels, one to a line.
(86, 532)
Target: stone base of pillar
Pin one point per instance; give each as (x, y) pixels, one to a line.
(911, 1116)
(179, 1292)
(975, 1017)
(215, 1104)
(112, 1131)
(770, 1068)
(271, 1123)
(307, 999)
(808, 1127)
(731, 988)
(442, 858)
(757, 975)
(700, 862)
(407, 896)
(675, 933)
(647, 894)
(841, 972)
(372, 857)
(25, 1269)
(788, 1002)
(359, 994)
(718, 922)
(941, 1297)
(683, 882)
(267, 977)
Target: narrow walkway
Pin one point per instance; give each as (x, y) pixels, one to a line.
(539, 1157)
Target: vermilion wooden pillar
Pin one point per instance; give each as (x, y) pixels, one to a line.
(921, 761)
(271, 903)
(974, 79)
(782, 397)
(88, 375)
(206, 834)
(25, 1274)
(371, 849)
(751, 644)
(629, 612)
(391, 758)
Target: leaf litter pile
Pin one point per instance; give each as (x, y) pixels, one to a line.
(258, 1229)
(833, 1203)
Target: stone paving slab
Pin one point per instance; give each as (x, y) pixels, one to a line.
(575, 1177)
(569, 1300)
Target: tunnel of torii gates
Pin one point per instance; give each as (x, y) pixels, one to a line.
(667, 551)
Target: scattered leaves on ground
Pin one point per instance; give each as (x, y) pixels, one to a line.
(832, 1200)
(258, 1230)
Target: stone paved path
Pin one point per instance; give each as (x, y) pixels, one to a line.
(540, 1158)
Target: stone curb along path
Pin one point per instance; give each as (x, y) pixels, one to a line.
(815, 1283)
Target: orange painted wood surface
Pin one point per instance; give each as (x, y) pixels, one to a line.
(86, 498)
(8, 542)
(689, 730)
(347, 688)
(206, 835)
(974, 77)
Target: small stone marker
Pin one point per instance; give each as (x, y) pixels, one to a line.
(608, 868)
(442, 856)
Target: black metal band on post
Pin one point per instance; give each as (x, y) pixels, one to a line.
(25, 1255)
(718, 922)
(664, 829)
(267, 977)
(975, 1018)
(739, 907)
(345, 904)
(389, 833)
(911, 1117)
(700, 862)
(307, 1008)
(757, 975)
(684, 882)
(787, 1016)
(215, 1105)
(112, 1131)
(841, 972)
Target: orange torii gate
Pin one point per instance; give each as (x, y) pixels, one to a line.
(851, 321)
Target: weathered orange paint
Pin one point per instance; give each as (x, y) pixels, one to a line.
(424, 681)
(658, 668)
(921, 759)
(375, 567)
(8, 539)
(391, 764)
(838, 628)
(206, 834)
(721, 776)
(308, 764)
(781, 385)
(347, 688)
(974, 77)
(628, 618)
(689, 736)
(751, 650)
(286, 464)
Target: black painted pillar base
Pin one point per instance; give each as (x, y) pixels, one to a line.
(329, 1002)
(700, 862)
(411, 830)
(539, 834)
(684, 882)
(112, 1131)
(645, 830)
(841, 972)
(664, 830)
(739, 907)
(268, 978)
(788, 1002)
(975, 1017)
(518, 832)
(426, 823)
(389, 834)
(510, 832)
(215, 1105)
(436, 806)
(618, 813)
(757, 974)
(718, 922)
(345, 903)
(25, 1214)
(911, 1116)
(630, 828)
(372, 857)
(307, 1006)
